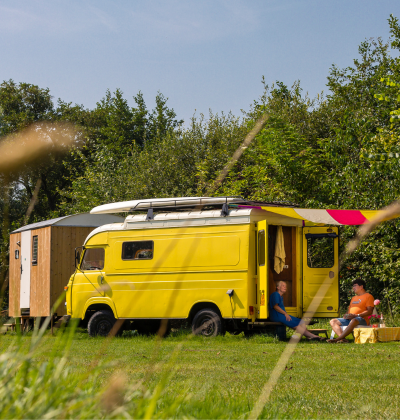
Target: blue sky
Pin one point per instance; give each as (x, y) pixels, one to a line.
(200, 54)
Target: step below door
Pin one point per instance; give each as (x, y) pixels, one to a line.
(320, 271)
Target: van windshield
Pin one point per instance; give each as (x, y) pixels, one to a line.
(93, 259)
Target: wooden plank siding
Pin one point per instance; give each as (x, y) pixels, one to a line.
(14, 277)
(64, 240)
(40, 275)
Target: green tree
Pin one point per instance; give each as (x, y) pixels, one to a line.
(181, 163)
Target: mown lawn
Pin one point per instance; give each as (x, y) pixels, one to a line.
(192, 377)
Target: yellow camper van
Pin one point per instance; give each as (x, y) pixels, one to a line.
(210, 261)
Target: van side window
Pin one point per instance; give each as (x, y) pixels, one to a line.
(138, 250)
(93, 259)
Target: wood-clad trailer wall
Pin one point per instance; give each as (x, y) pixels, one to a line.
(14, 276)
(64, 240)
(55, 264)
(40, 274)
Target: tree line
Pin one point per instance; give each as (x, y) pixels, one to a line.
(339, 150)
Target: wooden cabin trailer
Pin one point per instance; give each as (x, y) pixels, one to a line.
(42, 259)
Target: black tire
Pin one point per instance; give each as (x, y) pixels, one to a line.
(101, 323)
(207, 323)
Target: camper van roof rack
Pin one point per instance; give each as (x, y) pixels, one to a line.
(179, 204)
(166, 204)
(238, 201)
(176, 204)
(185, 203)
(252, 203)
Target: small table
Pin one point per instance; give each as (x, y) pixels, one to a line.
(375, 335)
(320, 331)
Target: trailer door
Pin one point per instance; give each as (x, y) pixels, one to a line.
(25, 290)
(321, 271)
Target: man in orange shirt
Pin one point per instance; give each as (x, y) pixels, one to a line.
(361, 306)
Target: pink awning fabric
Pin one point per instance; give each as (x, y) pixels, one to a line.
(326, 217)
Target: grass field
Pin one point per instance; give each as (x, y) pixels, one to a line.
(71, 375)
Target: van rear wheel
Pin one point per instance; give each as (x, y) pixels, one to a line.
(101, 323)
(207, 323)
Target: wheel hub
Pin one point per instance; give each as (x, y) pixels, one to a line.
(207, 327)
(104, 327)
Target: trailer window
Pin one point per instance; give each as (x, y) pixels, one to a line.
(138, 250)
(320, 252)
(34, 250)
(93, 259)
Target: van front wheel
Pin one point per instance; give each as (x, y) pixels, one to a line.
(101, 323)
(207, 323)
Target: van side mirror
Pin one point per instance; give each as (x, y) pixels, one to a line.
(78, 255)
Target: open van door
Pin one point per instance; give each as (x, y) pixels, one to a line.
(321, 267)
(262, 261)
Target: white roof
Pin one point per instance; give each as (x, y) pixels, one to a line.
(193, 218)
(198, 218)
(125, 206)
(83, 220)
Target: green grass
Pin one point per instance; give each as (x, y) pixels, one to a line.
(193, 377)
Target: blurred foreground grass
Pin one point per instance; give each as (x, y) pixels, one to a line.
(71, 375)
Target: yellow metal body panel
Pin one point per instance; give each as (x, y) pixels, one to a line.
(99, 239)
(314, 277)
(189, 265)
(252, 289)
(196, 264)
(86, 285)
(262, 266)
(104, 300)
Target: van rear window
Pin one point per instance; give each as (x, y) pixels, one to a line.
(138, 250)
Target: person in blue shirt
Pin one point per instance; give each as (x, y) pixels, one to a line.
(277, 313)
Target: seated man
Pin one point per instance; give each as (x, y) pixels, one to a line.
(277, 313)
(361, 306)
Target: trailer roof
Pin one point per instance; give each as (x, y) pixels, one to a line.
(83, 220)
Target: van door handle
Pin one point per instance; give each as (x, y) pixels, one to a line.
(101, 279)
